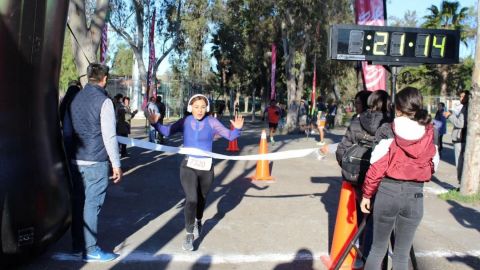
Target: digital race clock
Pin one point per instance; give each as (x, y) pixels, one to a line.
(394, 45)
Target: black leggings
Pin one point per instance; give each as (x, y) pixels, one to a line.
(196, 184)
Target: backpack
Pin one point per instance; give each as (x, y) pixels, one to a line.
(356, 160)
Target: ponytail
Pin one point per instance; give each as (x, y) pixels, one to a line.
(410, 102)
(422, 117)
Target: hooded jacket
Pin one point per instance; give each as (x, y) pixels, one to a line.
(362, 127)
(408, 155)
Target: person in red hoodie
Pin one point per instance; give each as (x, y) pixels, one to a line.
(404, 158)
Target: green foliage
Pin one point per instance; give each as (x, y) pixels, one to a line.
(455, 195)
(448, 16)
(68, 71)
(123, 61)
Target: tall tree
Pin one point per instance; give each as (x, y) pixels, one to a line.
(448, 16)
(123, 61)
(86, 20)
(133, 30)
(409, 19)
(471, 166)
(68, 71)
(298, 25)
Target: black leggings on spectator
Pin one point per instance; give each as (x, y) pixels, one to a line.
(196, 184)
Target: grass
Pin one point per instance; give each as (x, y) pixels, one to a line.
(455, 195)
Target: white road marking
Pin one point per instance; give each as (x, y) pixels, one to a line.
(205, 258)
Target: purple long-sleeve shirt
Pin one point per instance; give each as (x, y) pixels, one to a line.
(198, 133)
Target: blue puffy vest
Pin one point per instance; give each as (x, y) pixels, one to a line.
(87, 134)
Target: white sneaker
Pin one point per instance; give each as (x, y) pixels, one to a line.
(321, 143)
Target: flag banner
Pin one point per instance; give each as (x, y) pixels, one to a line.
(314, 86)
(274, 67)
(371, 12)
(104, 43)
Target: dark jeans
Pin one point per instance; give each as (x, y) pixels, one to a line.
(196, 184)
(459, 149)
(89, 188)
(398, 205)
(123, 147)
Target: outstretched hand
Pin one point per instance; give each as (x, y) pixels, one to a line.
(152, 116)
(238, 122)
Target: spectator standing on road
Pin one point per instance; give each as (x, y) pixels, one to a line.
(152, 108)
(196, 173)
(65, 117)
(302, 117)
(459, 132)
(273, 115)
(92, 132)
(372, 111)
(331, 112)
(320, 120)
(440, 125)
(400, 164)
(124, 118)
(161, 110)
(64, 108)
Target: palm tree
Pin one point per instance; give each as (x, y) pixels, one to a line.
(449, 16)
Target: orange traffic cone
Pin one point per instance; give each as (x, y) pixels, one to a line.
(233, 145)
(263, 169)
(345, 229)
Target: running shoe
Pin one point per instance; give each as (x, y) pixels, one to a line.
(321, 143)
(99, 256)
(197, 228)
(188, 242)
(272, 140)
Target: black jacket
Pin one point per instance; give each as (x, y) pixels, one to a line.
(363, 127)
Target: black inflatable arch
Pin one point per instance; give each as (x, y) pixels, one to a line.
(34, 180)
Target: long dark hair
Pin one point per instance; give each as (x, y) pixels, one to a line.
(379, 101)
(67, 99)
(409, 101)
(362, 96)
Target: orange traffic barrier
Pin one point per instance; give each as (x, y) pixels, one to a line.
(263, 169)
(233, 145)
(345, 229)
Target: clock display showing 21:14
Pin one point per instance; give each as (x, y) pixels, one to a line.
(397, 43)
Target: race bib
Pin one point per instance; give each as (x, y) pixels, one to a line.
(199, 163)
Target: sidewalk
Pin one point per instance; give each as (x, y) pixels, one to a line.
(287, 224)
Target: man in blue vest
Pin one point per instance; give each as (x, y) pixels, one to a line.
(94, 142)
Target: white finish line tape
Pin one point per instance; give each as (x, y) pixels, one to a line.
(197, 152)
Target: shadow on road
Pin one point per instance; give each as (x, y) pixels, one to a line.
(471, 261)
(329, 200)
(303, 261)
(467, 217)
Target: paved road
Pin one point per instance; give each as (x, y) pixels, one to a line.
(287, 224)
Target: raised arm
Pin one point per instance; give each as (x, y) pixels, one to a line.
(225, 132)
(167, 130)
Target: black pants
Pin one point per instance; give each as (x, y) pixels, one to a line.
(398, 205)
(196, 184)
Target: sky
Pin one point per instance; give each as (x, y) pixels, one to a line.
(398, 8)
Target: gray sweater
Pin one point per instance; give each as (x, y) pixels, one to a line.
(459, 121)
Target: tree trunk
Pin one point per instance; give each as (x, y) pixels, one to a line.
(245, 103)
(225, 95)
(471, 164)
(85, 52)
(141, 66)
(444, 91)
